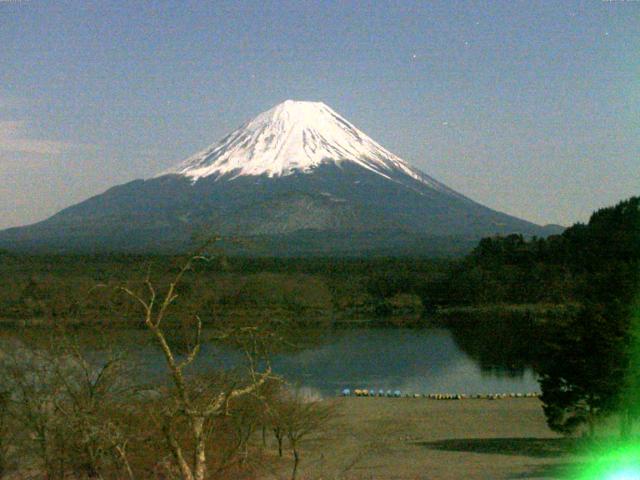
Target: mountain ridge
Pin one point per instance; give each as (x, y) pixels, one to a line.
(298, 167)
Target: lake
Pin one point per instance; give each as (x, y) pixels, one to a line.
(410, 360)
(427, 360)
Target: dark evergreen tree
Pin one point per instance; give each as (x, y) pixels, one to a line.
(582, 370)
(590, 364)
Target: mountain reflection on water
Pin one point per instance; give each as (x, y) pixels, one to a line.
(426, 360)
(412, 360)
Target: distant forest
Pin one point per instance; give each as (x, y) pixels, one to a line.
(572, 267)
(586, 261)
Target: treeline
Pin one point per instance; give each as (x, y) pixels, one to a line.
(587, 358)
(565, 268)
(559, 270)
(66, 286)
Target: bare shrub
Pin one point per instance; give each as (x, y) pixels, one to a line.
(63, 407)
(296, 417)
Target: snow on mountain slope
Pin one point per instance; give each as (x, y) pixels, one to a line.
(296, 136)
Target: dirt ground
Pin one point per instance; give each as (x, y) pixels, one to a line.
(407, 438)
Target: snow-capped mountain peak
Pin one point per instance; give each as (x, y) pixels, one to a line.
(293, 136)
(325, 188)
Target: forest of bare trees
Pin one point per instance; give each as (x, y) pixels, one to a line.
(73, 406)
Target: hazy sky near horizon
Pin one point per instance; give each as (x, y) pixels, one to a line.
(531, 108)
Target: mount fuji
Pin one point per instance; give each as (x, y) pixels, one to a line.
(298, 179)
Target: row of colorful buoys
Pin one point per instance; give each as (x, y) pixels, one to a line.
(498, 396)
(366, 392)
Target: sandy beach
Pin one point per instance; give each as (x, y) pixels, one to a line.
(409, 438)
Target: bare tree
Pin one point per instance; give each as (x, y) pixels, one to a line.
(82, 412)
(60, 403)
(91, 392)
(295, 418)
(33, 388)
(197, 406)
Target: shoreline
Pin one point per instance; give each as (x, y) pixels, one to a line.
(440, 317)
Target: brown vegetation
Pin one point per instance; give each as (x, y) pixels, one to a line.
(83, 411)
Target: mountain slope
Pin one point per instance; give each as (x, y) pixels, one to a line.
(299, 167)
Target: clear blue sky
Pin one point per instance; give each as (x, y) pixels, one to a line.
(529, 107)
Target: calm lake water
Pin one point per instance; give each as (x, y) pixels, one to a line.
(409, 360)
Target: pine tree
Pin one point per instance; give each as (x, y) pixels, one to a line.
(591, 363)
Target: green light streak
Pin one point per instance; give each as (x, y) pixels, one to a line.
(620, 463)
